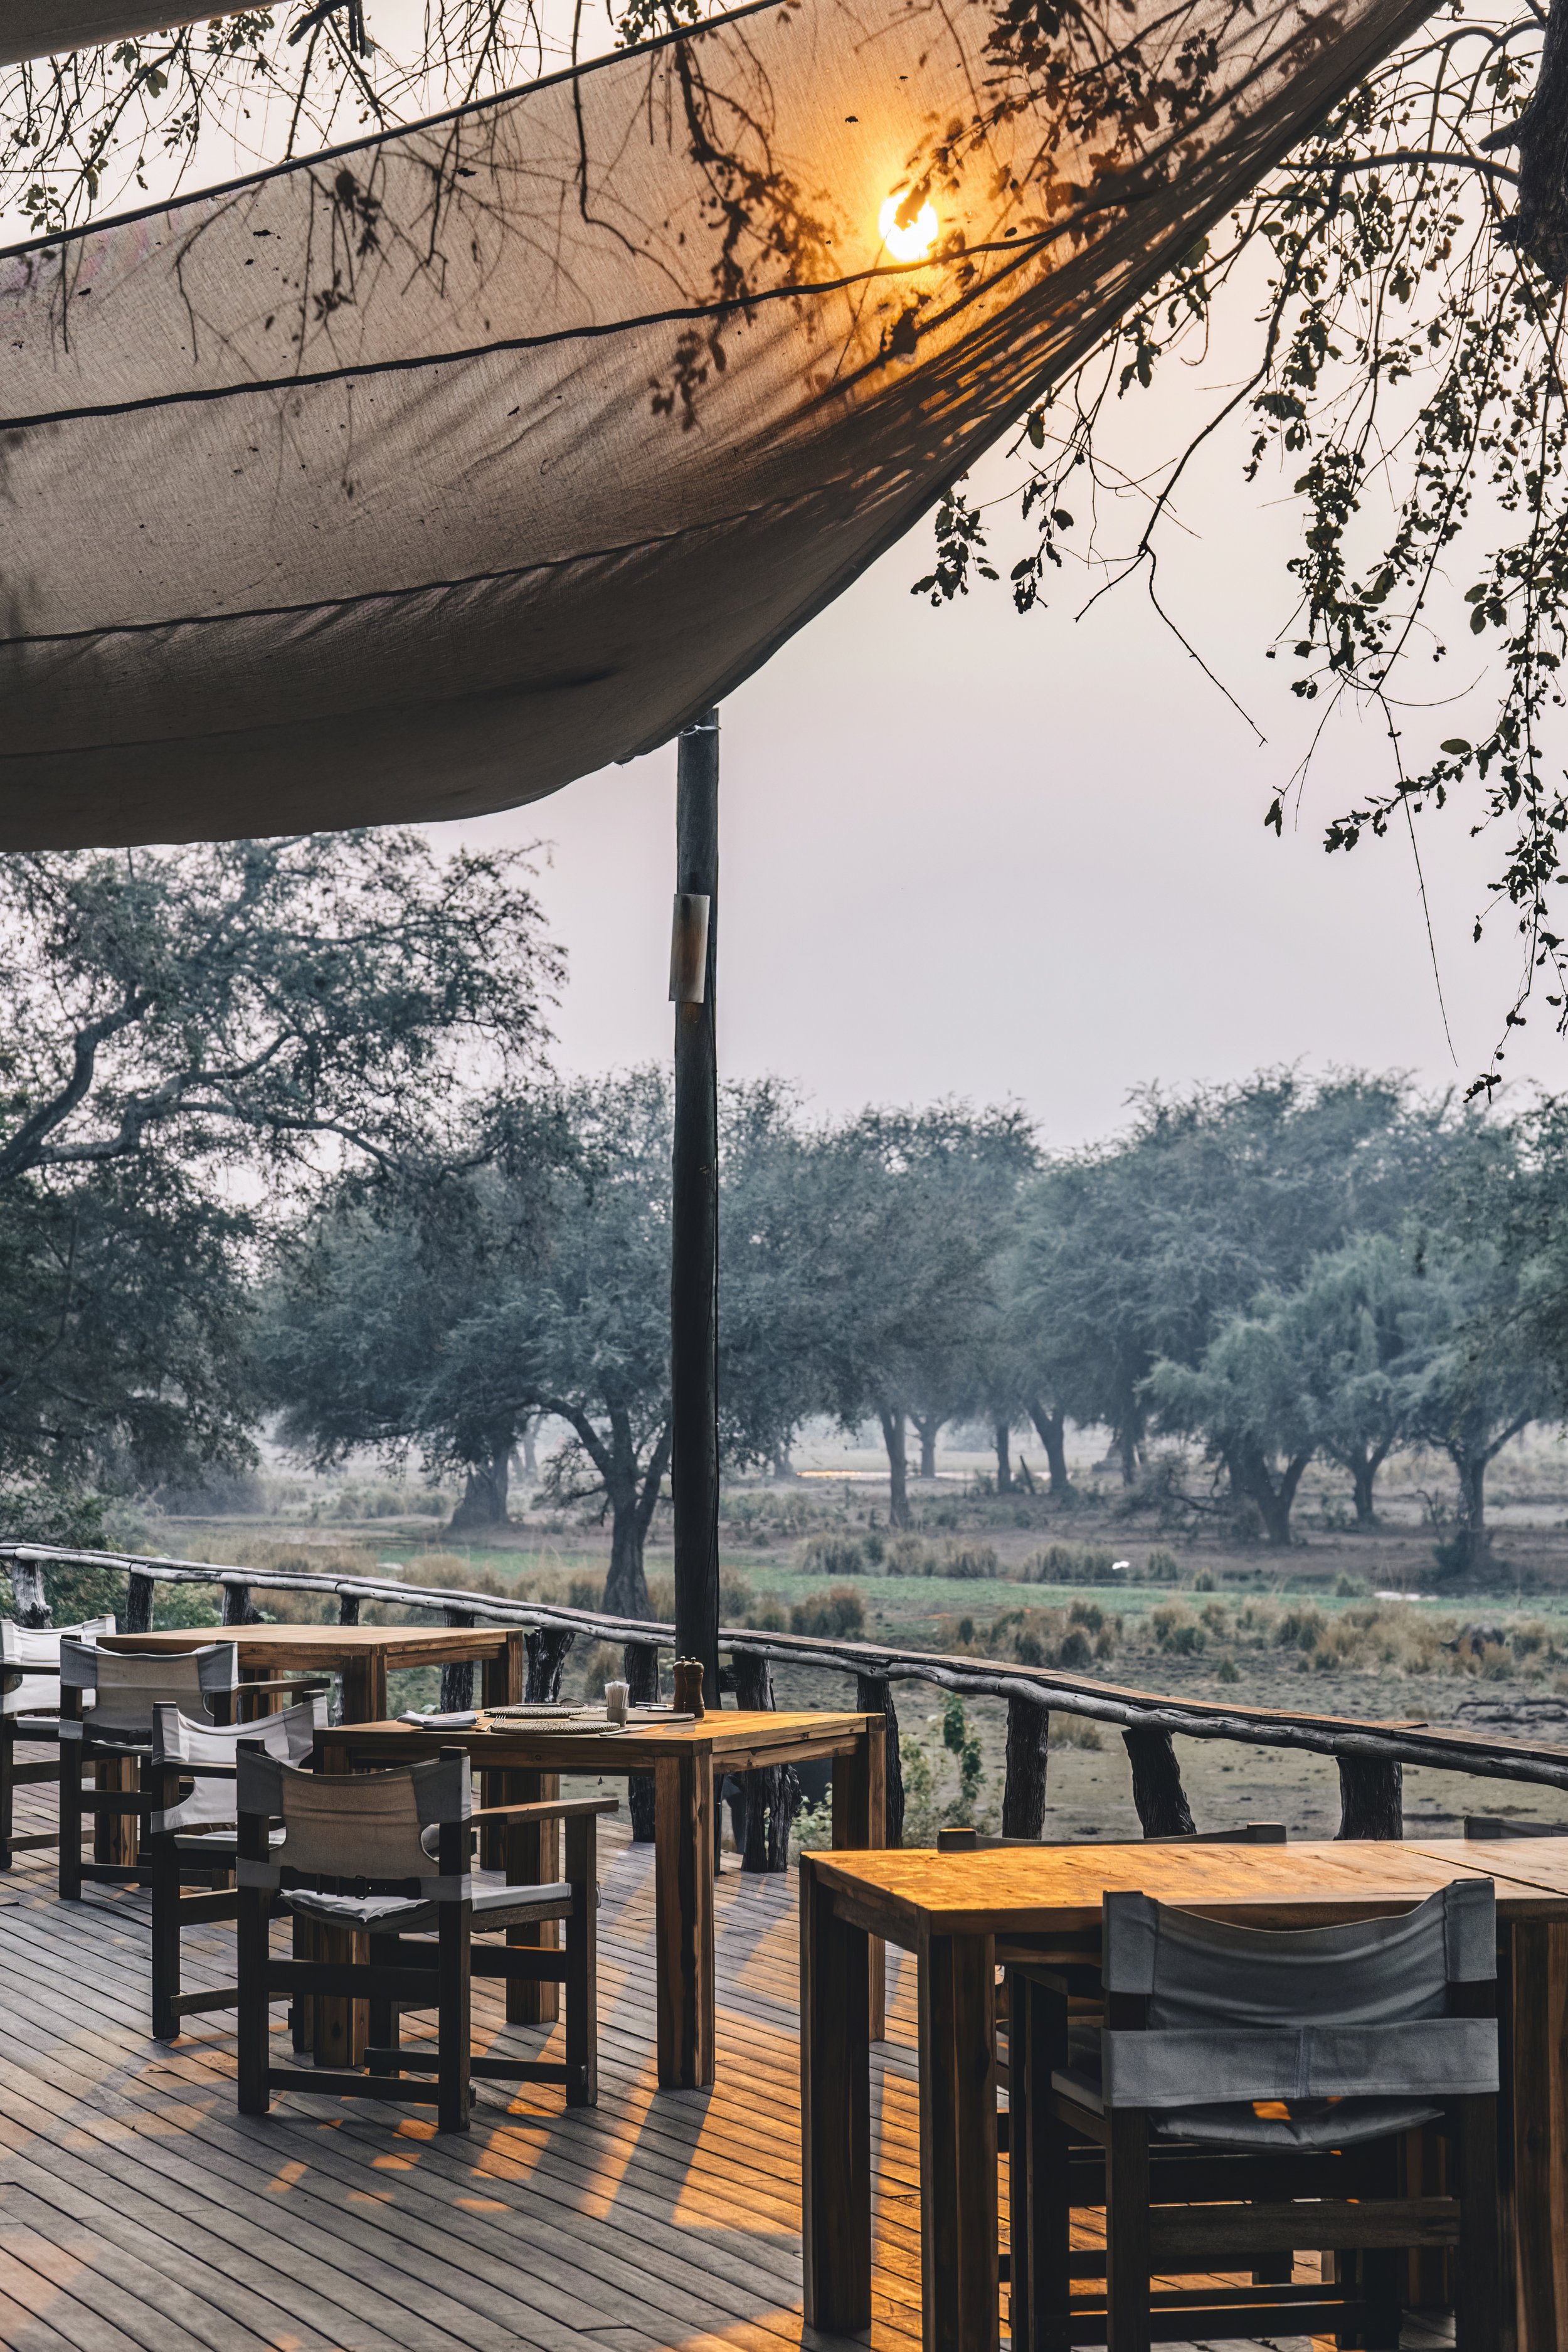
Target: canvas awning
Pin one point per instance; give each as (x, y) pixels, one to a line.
(418, 478)
(52, 29)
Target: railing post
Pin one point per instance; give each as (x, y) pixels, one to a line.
(348, 1608)
(1157, 1789)
(772, 1795)
(548, 1647)
(1372, 1796)
(873, 1695)
(640, 1665)
(1024, 1797)
(27, 1586)
(238, 1608)
(457, 1680)
(140, 1592)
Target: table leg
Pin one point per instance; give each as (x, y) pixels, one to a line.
(960, 2275)
(500, 1685)
(1539, 1999)
(533, 1859)
(834, 2114)
(860, 1820)
(360, 1689)
(683, 1895)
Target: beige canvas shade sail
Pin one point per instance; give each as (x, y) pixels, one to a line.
(417, 479)
(52, 29)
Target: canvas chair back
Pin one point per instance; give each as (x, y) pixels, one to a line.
(197, 1747)
(375, 1826)
(125, 1686)
(37, 1690)
(1246, 2014)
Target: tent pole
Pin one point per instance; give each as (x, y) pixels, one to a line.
(694, 1220)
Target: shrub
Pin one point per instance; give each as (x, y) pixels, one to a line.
(1075, 1731)
(906, 1556)
(1203, 1582)
(583, 1592)
(768, 1615)
(1075, 1651)
(838, 1614)
(734, 1598)
(1302, 1629)
(604, 1666)
(969, 1562)
(1228, 1672)
(1060, 1563)
(1162, 1568)
(1176, 1632)
(831, 1553)
(1088, 1615)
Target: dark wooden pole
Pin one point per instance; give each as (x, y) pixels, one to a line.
(1157, 1789)
(694, 1217)
(1372, 1798)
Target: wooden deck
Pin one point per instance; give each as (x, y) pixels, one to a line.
(140, 2212)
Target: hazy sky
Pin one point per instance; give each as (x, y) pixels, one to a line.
(966, 854)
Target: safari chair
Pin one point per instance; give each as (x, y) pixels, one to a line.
(402, 1842)
(30, 1711)
(1239, 2069)
(193, 1836)
(107, 1698)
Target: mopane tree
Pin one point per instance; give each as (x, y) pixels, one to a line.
(907, 1208)
(598, 1314)
(1137, 1250)
(194, 1040)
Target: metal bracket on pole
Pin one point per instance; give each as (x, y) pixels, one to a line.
(689, 948)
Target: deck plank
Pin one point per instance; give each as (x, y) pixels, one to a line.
(141, 2212)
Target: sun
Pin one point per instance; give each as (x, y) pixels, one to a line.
(907, 240)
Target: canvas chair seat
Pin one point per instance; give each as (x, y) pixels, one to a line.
(29, 1670)
(400, 1915)
(1236, 2126)
(221, 1844)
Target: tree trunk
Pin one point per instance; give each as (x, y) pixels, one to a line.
(893, 1436)
(927, 1425)
(1157, 1789)
(1052, 1429)
(784, 1468)
(1364, 1470)
(1472, 1470)
(1127, 1449)
(625, 1587)
(528, 1441)
(484, 1498)
(1004, 1458)
(1274, 1503)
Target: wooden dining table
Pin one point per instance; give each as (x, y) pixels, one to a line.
(362, 1655)
(964, 1914)
(684, 1760)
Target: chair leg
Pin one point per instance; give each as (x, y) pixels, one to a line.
(582, 1986)
(1127, 2249)
(382, 2021)
(1039, 2186)
(254, 2023)
(70, 1820)
(453, 2028)
(1384, 2270)
(1477, 2297)
(164, 1873)
(7, 1793)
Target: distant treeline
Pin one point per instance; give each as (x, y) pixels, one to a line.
(280, 1141)
(1271, 1272)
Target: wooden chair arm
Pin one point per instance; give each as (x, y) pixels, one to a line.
(248, 1690)
(548, 1809)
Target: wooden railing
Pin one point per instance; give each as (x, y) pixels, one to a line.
(1371, 1756)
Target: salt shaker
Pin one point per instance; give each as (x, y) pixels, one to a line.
(616, 1697)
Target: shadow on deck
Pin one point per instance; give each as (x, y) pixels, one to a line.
(140, 2212)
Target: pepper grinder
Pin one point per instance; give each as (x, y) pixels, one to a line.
(689, 1688)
